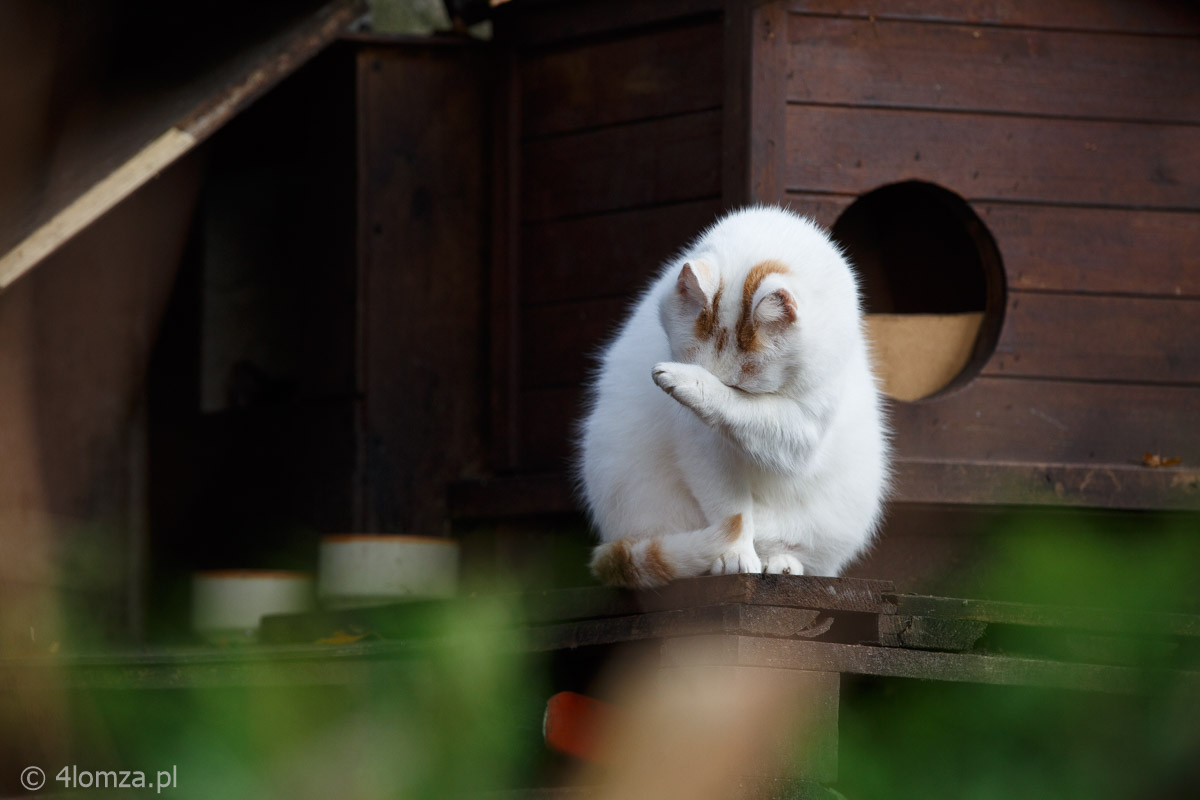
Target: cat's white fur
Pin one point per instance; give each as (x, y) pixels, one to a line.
(735, 429)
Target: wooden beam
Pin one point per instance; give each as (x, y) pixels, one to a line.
(1103, 485)
(747, 620)
(895, 662)
(1067, 617)
(88, 207)
(287, 53)
(798, 591)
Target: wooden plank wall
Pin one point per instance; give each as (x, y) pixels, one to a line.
(618, 154)
(1069, 128)
(422, 113)
(1073, 134)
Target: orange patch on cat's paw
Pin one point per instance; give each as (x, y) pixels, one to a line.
(613, 564)
(656, 563)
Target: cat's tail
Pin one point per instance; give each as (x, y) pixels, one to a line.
(653, 561)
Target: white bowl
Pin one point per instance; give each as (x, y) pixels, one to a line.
(372, 569)
(228, 605)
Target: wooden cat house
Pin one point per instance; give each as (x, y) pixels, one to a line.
(1018, 184)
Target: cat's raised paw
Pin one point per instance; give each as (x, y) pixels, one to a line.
(669, 376)
(783, 564)
(737, 559)
(687, 383)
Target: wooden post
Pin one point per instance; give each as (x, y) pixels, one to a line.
(754, 127)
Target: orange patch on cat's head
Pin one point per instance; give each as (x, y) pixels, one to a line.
(706, 323)
(722, 339)
(747, 331)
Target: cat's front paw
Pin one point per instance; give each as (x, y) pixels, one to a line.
(670, 376)
(689, 384)
(739, 558)
(783, 564)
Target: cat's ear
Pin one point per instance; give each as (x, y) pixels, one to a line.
(689, 284)
(776, 309)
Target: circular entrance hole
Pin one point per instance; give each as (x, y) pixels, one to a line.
(932, 284)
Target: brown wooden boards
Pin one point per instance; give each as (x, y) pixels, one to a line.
(1058, 128)
(422, 291)
(930, 633)
(1096, 250)
(754, 134)
(1070, 130)
(556, 23)
(504, 262)
(1153, 16)
(519, 495)
(832, 594)
(1100, 485)
(823, 208)
(546, 421)
(855, 61)
(1013, 420)
(1093, 635)
(760, 605)
(1073, 249)
(612, 160)
(773, 621)
(902, 663)
(562, 340)
(761, 621)
(645, 163)
(654, 74)
(624, 250)
(1084, 619)
(1128, 339)
(992, 157)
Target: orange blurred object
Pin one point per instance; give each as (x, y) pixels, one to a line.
(574, 723)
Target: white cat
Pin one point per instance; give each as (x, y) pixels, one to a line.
(735, 423)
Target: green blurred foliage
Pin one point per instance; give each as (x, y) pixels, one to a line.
(915, 739)
(462, 717)
(458, 716)
(1131, 562)
(912, 739)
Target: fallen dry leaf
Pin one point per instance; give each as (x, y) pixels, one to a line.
(341, 637)
(1155, 460)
